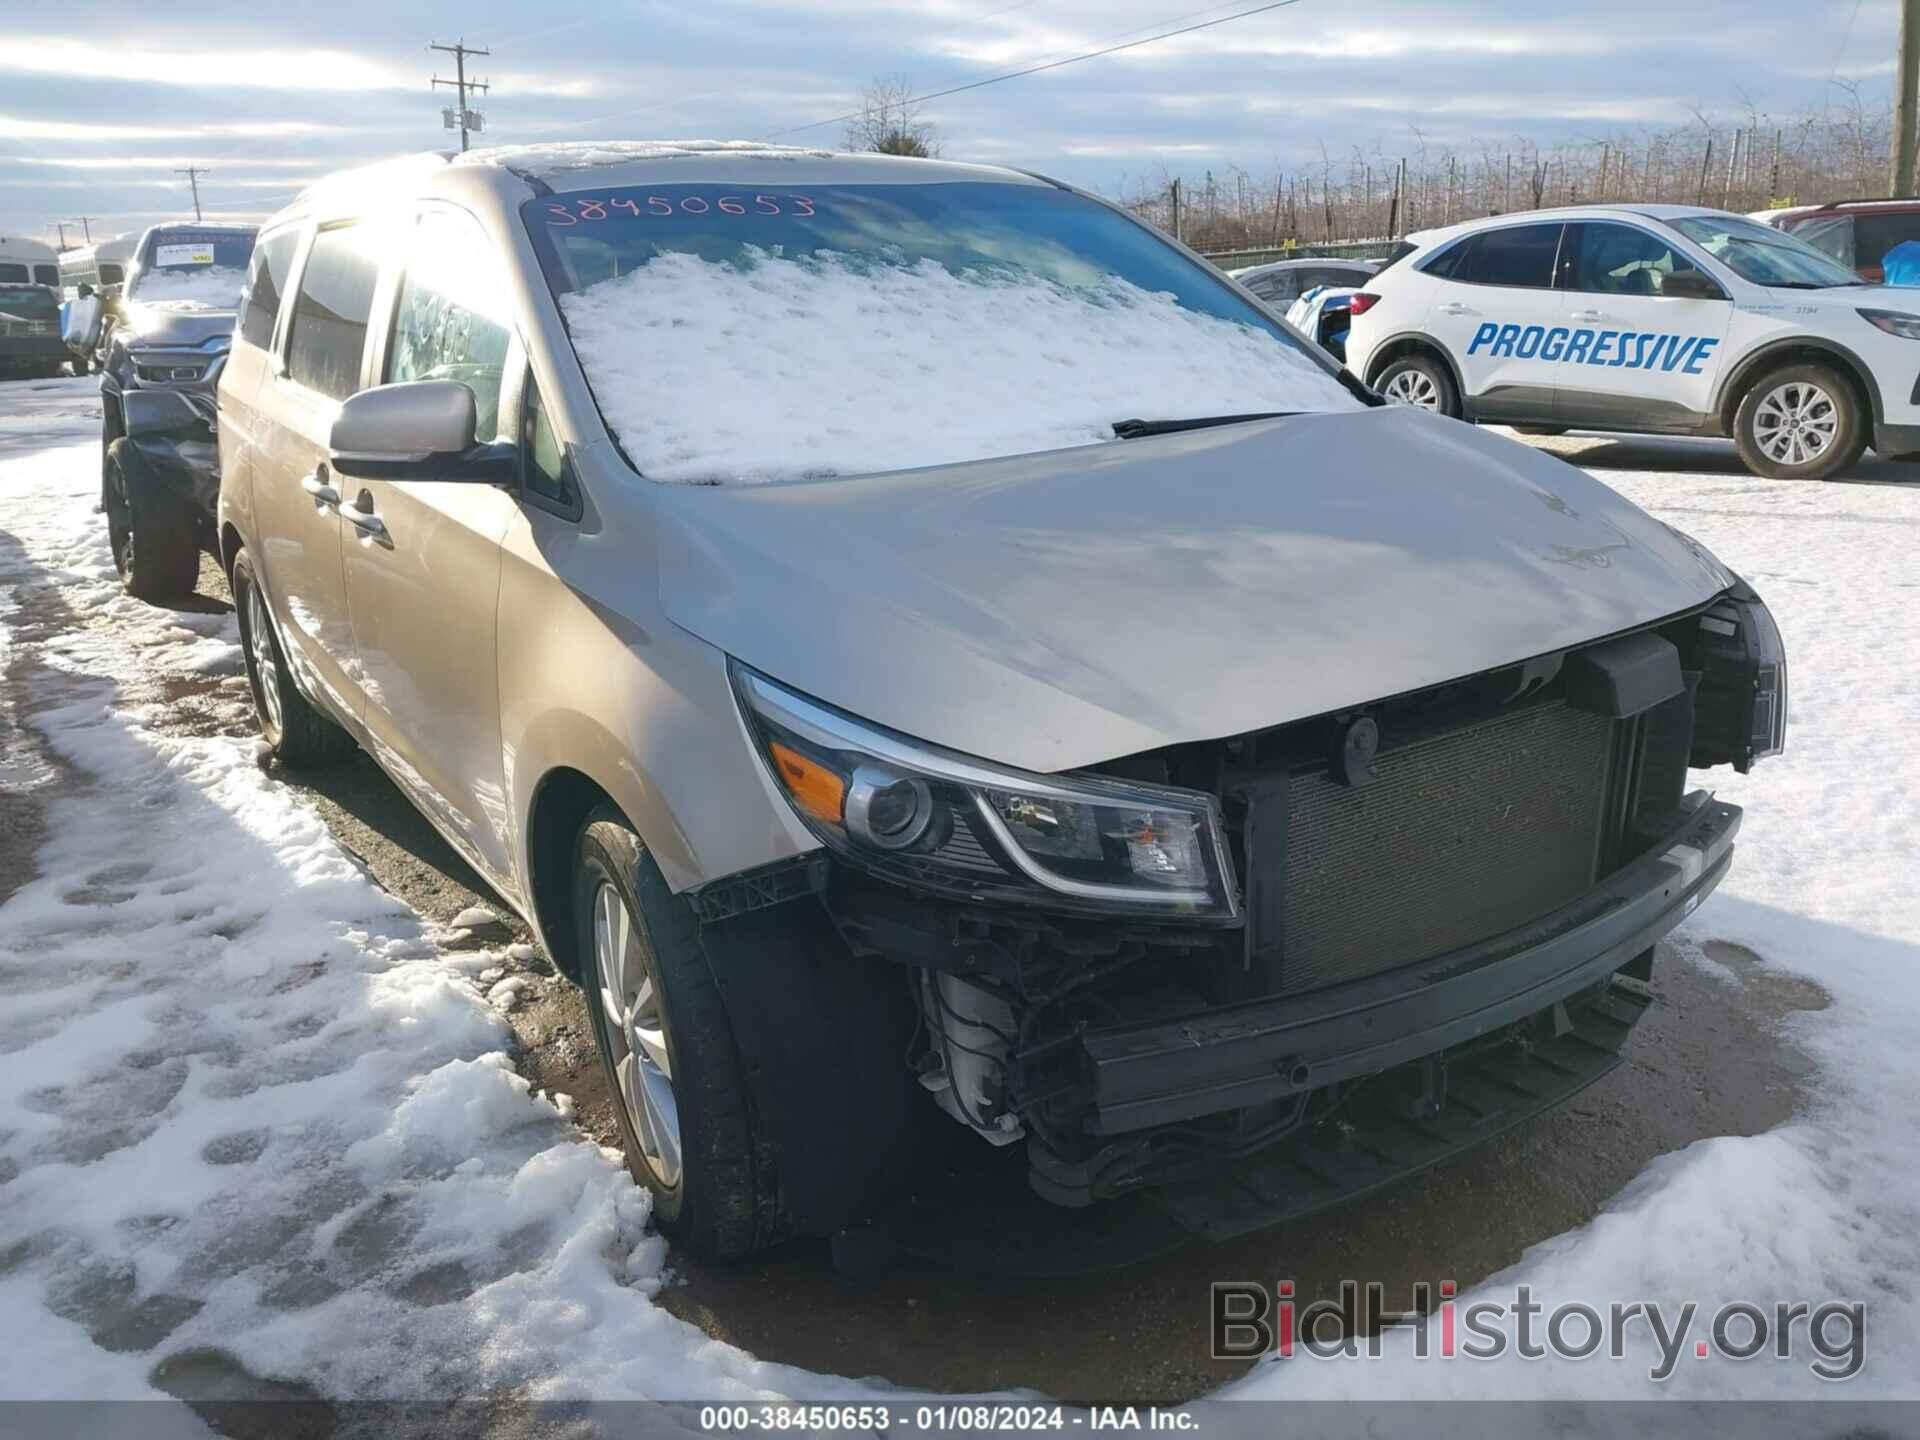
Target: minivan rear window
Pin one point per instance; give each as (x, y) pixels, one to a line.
(266, 281)
(763, 332)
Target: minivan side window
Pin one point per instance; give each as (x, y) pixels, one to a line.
(1609, 259)
(328, 329)
(266, 281)
(543, 462)
(1521, 256)
(453, 321)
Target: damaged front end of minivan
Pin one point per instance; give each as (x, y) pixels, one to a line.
(1257, 975)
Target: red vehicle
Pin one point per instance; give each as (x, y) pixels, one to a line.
(1860, 234)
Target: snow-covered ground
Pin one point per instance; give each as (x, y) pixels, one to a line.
(249, 1104)
(246, 1103)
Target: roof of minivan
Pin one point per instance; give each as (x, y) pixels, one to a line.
(565, 165)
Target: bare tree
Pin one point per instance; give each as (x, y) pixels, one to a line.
(889, 121)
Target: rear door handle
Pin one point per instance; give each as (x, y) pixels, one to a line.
(316, 486)
(1454, 307)
(1588, 315)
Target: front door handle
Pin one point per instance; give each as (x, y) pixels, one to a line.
(364, 520)
(1454, 307)
(1588, 315)
(316, 486)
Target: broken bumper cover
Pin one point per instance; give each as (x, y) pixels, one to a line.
(1148, 1076)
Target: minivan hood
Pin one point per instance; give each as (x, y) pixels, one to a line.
(1054, 610)
(166, 325)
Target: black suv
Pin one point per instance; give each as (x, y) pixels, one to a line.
(30, 331)
(165, 336)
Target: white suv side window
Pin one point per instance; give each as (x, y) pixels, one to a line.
(1606, 259)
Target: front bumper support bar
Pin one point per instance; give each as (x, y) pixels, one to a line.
(1159, 1073)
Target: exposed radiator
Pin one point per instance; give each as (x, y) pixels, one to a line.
(1461, 837)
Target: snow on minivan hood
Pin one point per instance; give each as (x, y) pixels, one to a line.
(815, 365)
(1056, 610)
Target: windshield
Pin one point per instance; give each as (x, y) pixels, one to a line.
(1762, 254)
(742, 333)
(193, 269)
(28, 302)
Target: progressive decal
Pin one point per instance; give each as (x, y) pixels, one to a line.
(1633, 349)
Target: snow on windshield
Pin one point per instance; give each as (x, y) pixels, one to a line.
(198, 287)
(782, 368)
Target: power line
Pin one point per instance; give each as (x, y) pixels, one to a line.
(1048, 65)
(469, 119)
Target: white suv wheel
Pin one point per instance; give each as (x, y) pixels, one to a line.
(1796, 423)
(1412, 387)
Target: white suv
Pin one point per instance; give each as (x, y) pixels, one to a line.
(1658, 319)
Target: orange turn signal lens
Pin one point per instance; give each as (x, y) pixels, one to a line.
(817, 790)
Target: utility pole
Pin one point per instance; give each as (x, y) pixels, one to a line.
(1173, 190)
(193, 174)
(460, 50)
(61, 226)
(86, 229)
(1905, 87)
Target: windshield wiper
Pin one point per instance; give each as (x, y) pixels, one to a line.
(1137, 429)
(1815, 284)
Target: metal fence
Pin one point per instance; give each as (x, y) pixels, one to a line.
(1340, 250)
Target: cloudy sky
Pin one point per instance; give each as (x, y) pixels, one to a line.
(100, 102)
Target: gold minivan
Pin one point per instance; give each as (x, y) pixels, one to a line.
(942, 666)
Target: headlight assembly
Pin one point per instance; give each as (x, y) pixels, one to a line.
(1740, 708)
(1894, 322)
(941, 821)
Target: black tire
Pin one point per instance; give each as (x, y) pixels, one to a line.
(722, 1204)
(1827, 403)
(156, 545)
(1423, 376)
(297, 733)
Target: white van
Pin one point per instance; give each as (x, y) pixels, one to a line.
(103, 263)
(28, 262)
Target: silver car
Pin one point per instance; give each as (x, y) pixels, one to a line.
(813, 591)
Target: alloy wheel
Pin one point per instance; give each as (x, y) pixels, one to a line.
(636, 1032)
(260, 648)
(1796, 423)
(1413, 387)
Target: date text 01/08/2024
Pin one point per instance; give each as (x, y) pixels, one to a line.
(975, 1417)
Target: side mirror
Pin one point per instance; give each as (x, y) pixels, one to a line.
(1691, 285)
(416, 430)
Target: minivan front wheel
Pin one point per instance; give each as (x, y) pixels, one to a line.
(1422, 382)
(678, 1083)
(298, 734)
